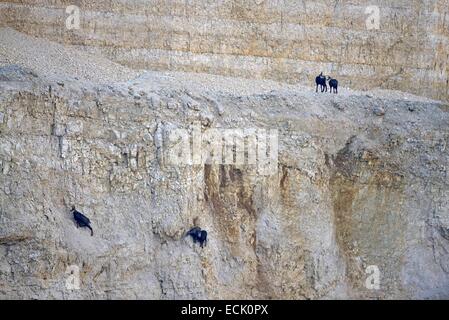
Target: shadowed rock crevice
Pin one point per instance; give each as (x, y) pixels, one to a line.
(367, 195)
(230, 198)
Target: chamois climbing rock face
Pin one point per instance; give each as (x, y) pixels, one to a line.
(282, 40)
(351, 190)
(355, 203)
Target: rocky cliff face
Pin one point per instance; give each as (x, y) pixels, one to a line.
(277, 39)
(352, 201)
(361, 181)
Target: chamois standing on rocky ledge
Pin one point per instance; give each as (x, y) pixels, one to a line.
(333, 85)
(321, 81)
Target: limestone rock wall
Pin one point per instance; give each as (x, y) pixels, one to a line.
(287, 40)
(352, 189)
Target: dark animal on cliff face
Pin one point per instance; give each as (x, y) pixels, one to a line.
(321, 81)
(81, 220)
(198, 235)
(333, 84)
(203, 238)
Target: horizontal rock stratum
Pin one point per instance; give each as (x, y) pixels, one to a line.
(284, 40)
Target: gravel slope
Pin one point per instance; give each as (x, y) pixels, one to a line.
(53, 60)
(65, 63)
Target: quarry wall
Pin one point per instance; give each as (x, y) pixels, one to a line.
(286, 40)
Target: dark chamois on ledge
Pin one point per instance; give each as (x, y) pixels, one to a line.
(81, 220)
(321, 82)
(198, 235)
(333, 85)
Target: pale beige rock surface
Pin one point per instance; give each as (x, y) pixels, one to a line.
(285, 40)
(352, 189)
